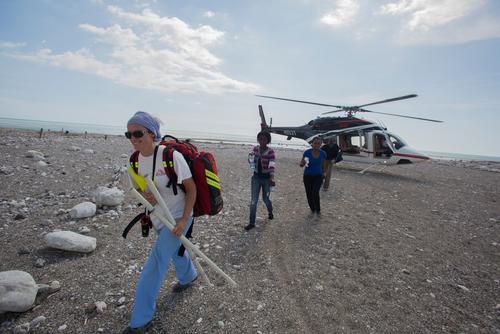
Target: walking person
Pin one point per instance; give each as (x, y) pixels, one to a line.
(143, 130)
(313, 160)
(332, 151)
(262, 161)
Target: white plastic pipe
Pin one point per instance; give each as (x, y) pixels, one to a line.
(188, 244)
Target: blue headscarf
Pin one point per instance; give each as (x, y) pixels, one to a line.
(147, 121)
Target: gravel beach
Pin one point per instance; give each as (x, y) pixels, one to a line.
(411, 249)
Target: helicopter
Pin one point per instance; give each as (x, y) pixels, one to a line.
(360, 140)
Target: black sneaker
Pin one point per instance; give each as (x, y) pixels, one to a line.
(139, 330)
(249, 227)
(271, 216)
(178, 287)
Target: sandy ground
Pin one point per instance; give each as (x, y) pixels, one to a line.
(412, 249)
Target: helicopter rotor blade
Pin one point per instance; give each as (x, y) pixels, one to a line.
(384, 113)
(331, 112)
(390, 100)
(299, 101)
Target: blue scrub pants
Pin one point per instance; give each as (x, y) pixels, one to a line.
(152, 275)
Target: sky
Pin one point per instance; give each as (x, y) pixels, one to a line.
(197, 65)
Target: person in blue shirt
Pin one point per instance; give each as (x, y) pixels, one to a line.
(313, 160)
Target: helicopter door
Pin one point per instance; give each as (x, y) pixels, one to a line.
(381, 147)
(353, 144)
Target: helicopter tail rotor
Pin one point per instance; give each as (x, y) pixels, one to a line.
(263, 123)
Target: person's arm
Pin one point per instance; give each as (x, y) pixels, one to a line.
(190, 199)
(185, 177)
(303, 161)
(272, 165)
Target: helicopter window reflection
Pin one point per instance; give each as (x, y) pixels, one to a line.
(397, 142)
(352, 144)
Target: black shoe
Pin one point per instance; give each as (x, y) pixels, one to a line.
(249, 227)
(178, 287)
(139, 330)
(271, 216)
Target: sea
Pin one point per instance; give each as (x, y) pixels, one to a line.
(29, 124)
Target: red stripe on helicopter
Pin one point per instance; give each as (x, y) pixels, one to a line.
(423, 157)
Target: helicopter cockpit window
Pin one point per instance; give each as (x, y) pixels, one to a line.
(381, 147)
(397, 143)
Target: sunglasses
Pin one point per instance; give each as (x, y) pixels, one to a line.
(136, 134)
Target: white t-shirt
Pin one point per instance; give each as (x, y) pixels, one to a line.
(175, 203)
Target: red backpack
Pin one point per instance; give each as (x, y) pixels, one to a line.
(202, 165)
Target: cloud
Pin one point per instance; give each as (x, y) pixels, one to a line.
(149, 51)
(11, 45)
(209, 14)
(442, 22)
(344, 13)
(427, 14)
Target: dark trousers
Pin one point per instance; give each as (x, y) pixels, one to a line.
(312, 183)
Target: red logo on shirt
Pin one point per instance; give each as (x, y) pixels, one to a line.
(160, 172)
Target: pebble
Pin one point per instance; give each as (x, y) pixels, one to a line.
(199, 320)
(100, 306)
(463, 287)
(37, 321)
(39, 263)
(62, 327)
(220, 323)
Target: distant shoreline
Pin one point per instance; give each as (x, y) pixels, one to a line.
(442, 156)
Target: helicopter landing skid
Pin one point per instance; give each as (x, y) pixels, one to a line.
(372, 165)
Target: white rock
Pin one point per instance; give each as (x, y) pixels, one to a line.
(199, 320)
(62, 327)
(74, 148)
(100, 307)
(220, 323)
(17, 291)
(37, 155)
(463, 287)
(83, 230)
(41, 164)
(83, 210)
(109, 196)
(88, 151)
(70, 241)
(121, 301)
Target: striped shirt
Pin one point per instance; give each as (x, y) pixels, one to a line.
(266, 160)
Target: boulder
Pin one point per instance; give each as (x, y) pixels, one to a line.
(83, 210)
(17, 291)
(70, 241)
(109, 196)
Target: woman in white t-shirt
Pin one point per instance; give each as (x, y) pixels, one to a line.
(143, 130)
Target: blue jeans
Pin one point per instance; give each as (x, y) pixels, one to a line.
(257, 183)
(153, 273)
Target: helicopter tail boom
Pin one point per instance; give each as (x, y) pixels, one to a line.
(263, 123)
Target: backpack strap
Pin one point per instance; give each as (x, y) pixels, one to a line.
(134, 161)
(131, 224)
(168, 165)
